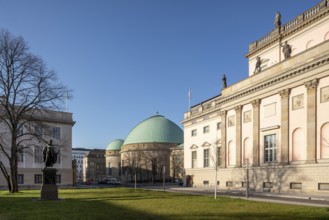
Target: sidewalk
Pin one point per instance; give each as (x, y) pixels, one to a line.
(318, 200)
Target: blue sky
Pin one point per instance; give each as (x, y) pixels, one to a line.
(126, 60)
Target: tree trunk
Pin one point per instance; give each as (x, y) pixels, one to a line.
(5, 173)
(13, 176)
(13, 165)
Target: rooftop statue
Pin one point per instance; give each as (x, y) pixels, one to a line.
(258, 65)
(224, 81)
(277, 20)
(286, 50)
(49, 154)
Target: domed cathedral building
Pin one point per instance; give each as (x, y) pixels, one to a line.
(151, 148)
(113, 159)
(274, 123)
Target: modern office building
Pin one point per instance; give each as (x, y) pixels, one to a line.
(78, 155)
(275, 122)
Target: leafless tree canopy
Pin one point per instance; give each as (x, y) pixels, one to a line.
(28, 89)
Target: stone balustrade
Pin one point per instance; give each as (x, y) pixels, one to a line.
(275, 34)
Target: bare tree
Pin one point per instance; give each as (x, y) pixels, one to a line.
(156, 159)
(28, 91)
(177, 162)
(215, 156)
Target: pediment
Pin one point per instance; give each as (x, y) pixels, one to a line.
(206, 144)
(218, 142)
(193, 146)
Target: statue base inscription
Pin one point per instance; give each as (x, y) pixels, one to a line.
(49, 190)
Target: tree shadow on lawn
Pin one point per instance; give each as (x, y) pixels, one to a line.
(124, 207)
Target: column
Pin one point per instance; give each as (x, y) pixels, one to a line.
(238, 134)
(284, 125)
(223, 115)
(311, 120)
(255, 111)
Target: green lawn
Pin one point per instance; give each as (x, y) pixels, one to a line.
(123, 203)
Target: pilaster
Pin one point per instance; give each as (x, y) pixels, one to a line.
(311, 119)
(223, 115)
(284, 125)
(238, 133)
(255, 110)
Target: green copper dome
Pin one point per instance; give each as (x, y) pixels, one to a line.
(115, 145)
(156, 129)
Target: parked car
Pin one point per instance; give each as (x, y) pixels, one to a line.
(113, 181)
(103, 181)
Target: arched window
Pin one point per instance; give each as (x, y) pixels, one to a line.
(247, 151)
(298, 145)
(231, 153)
(324, 151)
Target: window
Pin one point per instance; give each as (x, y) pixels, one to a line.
(37, 178)
(229, 183)
(38, 130)
(206, 129)
(57, 132)
(206, 182)
(295, 185)
(270, 148)
(194, 159)
(58, 178)
(218, 125)
(20, 128)
(219, 156)
(38, 156)
(58, 151)
(20, 156)
(267, 185)
(206, 158)
(20, 178)
(323, 186)
(193, 133)
(110, 169)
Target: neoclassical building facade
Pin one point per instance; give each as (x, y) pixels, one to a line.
(275, 122)
(57, 127)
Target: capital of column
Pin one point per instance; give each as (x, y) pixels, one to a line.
(238, 109)
(223, 113)
(284, 93)
(255, 103)
(312, 85)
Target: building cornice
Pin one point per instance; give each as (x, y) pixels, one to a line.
(274, 80)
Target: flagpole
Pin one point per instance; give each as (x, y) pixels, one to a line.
(67, 101)
(189, 99)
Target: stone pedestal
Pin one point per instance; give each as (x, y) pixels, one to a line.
(49, 190)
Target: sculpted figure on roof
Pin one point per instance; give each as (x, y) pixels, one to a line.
(224, 81)
(286, 49)
(258, 65)
(277, 20)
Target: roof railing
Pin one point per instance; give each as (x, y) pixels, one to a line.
(289, 25)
